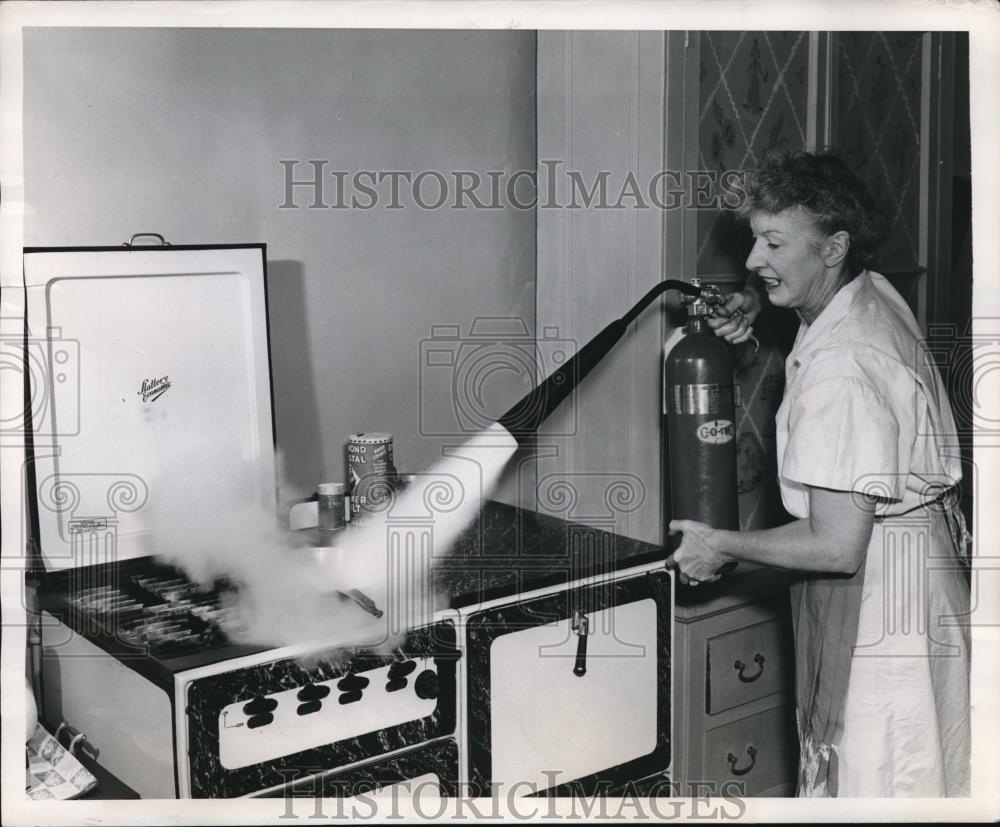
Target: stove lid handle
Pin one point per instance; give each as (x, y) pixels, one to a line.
(131, 241)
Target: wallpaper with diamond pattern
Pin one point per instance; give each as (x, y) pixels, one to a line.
(753, 92)
(877, 125)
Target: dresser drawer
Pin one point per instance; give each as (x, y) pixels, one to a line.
(746, 664)
(759, 751)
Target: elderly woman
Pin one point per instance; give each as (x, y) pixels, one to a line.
(866, 455)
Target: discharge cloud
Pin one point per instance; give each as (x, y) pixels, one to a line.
(371, 587)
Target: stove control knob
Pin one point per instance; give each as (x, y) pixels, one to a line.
(260, 706)
(426, 684)
(352, 683)
(313, 692)
(396, 677)
(400, 669)
(259, 720)
(308, 708)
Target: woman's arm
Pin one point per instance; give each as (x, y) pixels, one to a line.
(833, 538)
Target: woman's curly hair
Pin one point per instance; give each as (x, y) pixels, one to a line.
(832, 193)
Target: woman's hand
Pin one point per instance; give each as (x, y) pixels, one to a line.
(735, 318)
(699, 557)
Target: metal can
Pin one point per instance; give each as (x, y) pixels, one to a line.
(331, 498)
(367, 453)
(369, 472)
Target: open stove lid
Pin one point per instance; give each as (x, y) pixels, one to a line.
(149, 391)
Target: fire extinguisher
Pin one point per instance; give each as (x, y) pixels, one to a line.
(699, 411)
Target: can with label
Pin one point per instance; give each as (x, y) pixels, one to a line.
(370, 473)
(331, 499)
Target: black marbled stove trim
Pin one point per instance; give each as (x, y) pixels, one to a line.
(508, 551)
(439, 758)
(208, 696)
(484, 627)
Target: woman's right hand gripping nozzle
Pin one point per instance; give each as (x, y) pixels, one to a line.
(733, 321)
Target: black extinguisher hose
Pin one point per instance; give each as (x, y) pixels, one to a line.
(524, 417)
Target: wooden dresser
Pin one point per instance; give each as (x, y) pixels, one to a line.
(734, 704)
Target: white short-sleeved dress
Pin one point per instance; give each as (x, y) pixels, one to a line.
(882, 656)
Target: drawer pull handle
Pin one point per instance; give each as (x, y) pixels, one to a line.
(732, 759)
(741, 667)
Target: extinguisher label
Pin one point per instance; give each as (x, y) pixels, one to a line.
(716, 432)
(698, 399)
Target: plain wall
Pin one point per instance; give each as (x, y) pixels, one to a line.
(601, 109)
(180, 132)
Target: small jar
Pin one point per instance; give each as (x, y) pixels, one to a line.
(331, 498)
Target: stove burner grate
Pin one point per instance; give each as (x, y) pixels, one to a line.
(163, 614)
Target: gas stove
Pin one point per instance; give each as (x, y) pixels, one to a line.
(151, 365)
(149, 665)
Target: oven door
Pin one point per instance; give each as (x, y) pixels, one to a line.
(569, 693)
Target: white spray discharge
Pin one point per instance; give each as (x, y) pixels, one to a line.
(390, 558)
(369, 589)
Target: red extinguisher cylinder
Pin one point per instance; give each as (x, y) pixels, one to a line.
(700, 425)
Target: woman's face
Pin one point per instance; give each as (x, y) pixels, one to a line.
(786, 256)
